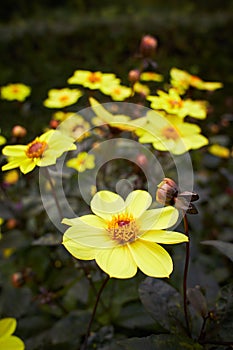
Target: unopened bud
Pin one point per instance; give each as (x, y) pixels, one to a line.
(134, 75)
(17, 279)
(18, 131)
(148, 45)
(167, 192)
(53, 123)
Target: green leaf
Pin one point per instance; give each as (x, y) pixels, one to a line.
(159, 342)
(163, 303)
(225, 248)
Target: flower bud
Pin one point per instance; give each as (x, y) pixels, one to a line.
(18, 131)
(17, 279)
(148, 45)
(167, 192)
(134, 75)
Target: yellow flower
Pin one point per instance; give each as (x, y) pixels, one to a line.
(7, 340)
(181, 80)
(1, 221)
(172, 103)
(171, 134)
(2, 140)
(141, 89)
(120, 121)
(219, 151)
(151, 76)
(82, 162)
(11, 177)
(93, 80)
(75, 126)
(61, 116)
(59, 98)
(124, 235)
(117, 92)
(42, 151)
(17, 92)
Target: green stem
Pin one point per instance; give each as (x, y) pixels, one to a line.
(186, 266)
(84, 347)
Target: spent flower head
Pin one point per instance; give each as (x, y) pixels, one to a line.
(122, 235)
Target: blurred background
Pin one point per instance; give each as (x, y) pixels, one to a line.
(43, 42)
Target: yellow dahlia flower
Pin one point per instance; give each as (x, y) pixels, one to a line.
(123, 235)
(171, 134)
(82, 162)
(17, 92)
(7, 340)
(93, 80)
(59, 98)
(172, 103)
(181, 80)
(42, 151)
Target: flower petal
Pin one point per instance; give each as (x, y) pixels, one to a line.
(137, 202)
(14, 151)
(12, 343)
(117, 262)
(78, 250)
(7, 327)
(27, 165)
(91, 220)
(106, 204)
(160, 218)
(151, 259)
(164, 237)
(89, 236)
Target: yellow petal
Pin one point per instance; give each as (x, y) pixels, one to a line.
(164, 237)
(156, 219)
(78, 250)
(89, 236)
(12, 343)
(151, 259)
(100, 111)
(27, 165)
(137, 202)
(7, 327)
(106, 204)
(117, 262)
(14, 151)
(91, 220)
(12, 164)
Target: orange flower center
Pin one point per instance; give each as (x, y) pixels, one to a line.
(123, 228)
(36, 148)
(64, 98)
(94, 77)
(170, 133)
(176, 103)
(15, 89)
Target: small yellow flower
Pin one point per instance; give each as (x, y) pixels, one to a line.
(82, 162)
(120, 121)
(75, 126)
(2, 140)
(93, 80)
(42, 151)
(117, 92)
(17, 92)
(11, 177)
(59, 98)
(123, 235)
(219, 151)
(172, 103)
(181, 80)
(171, 134)
(7, 340)
(141, 89)
(61, 116)
(151, 76)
